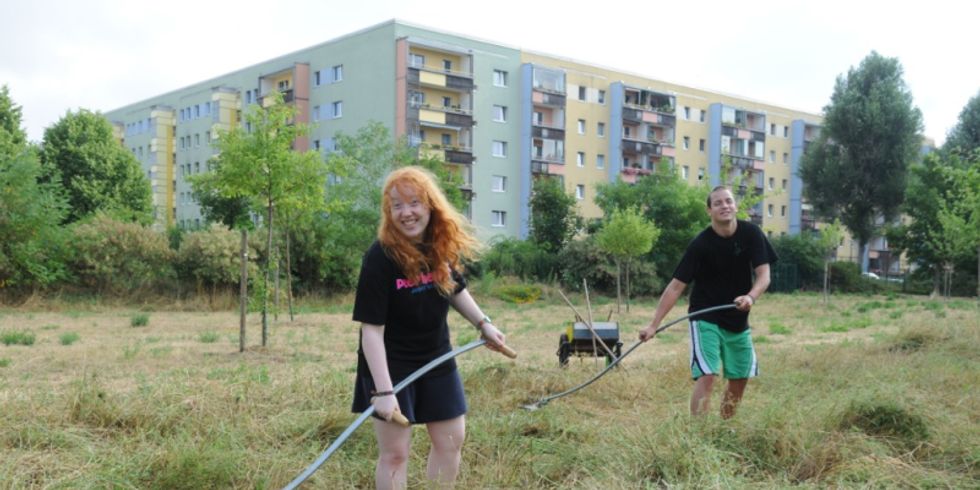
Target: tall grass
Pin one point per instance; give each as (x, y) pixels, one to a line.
(892, 403)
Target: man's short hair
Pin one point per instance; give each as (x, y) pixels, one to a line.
(717, 188)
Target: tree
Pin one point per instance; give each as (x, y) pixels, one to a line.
(830, 237)
(97, 173)
(261, 166)
(957, 231)
(233, 212)
(13, 138)
(626, 235)
(553, 218)
(857, 167)
(32, 251)
(664, 198)
(939, 187)
(964, 138)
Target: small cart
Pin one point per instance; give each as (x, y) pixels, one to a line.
(577, 340)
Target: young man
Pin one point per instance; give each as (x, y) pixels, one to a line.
(721, 261)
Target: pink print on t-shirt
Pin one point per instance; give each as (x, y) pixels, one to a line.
(405, 283)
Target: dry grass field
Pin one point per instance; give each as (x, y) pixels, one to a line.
(861, 392)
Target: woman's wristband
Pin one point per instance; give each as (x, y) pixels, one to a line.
(483, 321)
(378, 394)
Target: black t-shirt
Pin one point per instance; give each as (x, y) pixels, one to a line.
(721, 269)
(413, 314)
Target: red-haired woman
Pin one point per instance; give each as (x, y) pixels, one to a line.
(409, 278)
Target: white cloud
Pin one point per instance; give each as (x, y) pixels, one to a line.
(102, 54)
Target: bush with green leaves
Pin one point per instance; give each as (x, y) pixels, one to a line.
(583, 259)
(120, 258)
(211, 259)
(804, 251)
(520, 258)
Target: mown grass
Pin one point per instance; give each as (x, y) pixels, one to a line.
(878, 402)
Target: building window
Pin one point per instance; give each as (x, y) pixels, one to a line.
(581, 93)
(782, 210)
(685, 171)
(687, 142)
(784, 184)
(498, 183)
(283, 85)
(197, 142)
(785, 131)
(600, 129)
(499, 149)
(600, 161)
(785, 157)
(769, 211)
(581, 126)
(447, 65)
(580, 159)
(580, 192)
(772, 183)
(315, 113)
(701, 173)
(772, 156)
(602, 96)
(338, 73)
(500, 113)
(316, 81)
(416, 60)
(772, 129)
(499, 78)
(447, 101)
(499, 218)
(701, 145)
(687, 113)
(701, 115)
(537, 118)
(627, 131)
(338, 109)
(447, 139)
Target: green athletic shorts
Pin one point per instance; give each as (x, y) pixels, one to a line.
(713, 346)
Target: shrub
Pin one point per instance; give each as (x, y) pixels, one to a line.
(113, 257)
(208, 337)
(582, 259)
(4, 362)
(139, 320)
(211, 258)
(520, 258)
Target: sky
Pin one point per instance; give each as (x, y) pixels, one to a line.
(62, 55)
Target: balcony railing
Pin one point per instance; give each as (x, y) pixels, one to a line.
(546, 132)
(641, 147)
(460, 155)
(548, 157)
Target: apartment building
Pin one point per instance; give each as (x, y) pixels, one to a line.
(498, 116)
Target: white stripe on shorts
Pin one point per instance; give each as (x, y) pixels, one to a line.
(696, 355)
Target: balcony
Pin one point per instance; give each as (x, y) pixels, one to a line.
(459, 155)
(548, 99)
(552, 133)
(546, 168)
(266, 100)
(548, 157)
(640, 147)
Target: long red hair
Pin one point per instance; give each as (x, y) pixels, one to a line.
(448, 239)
